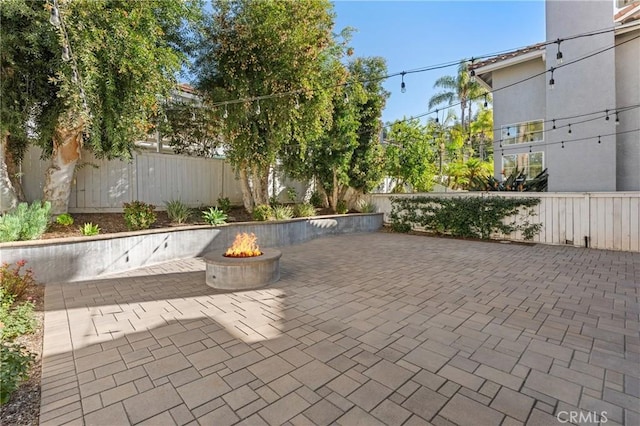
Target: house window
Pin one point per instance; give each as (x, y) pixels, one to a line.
(531, 162)
(623, 3)
(526, 132)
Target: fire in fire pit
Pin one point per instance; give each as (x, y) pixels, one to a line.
(244, 246)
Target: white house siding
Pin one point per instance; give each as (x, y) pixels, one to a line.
(628, 93)
(580, 88)
(522, 102)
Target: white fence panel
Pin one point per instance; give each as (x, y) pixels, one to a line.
(101, 185)
(609, 220)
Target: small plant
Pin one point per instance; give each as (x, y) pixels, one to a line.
(292, 194)
(262, 212)
(282, 212)
(273, 201)
(27, 222)
(13, 281)
(16, 320)
(15, 361)
(214, 217)
(139, 215)
(224, 204)
(341, 207)
(316, 199)
(64, 219)
(366, 207)
(177, 211)
(89, 229)
(304, 210)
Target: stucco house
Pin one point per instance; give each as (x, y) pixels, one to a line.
(568, 104)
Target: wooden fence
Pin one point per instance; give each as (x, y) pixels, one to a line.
(609, 220)
(101, 185)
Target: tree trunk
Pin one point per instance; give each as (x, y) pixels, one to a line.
(247, 199)
(8, 198)
(14, 173)
(67, 144)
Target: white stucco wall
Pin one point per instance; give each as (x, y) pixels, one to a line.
(628, 93)
(581, 88)
(522, 102)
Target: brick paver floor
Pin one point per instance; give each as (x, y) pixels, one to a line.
(361, 330)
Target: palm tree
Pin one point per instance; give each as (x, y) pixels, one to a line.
(458, 88)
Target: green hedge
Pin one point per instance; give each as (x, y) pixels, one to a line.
(474, 217)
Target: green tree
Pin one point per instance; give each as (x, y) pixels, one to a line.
(251, 49)
(410, 156)
(113, 64)
(458, 88)
(27, 47)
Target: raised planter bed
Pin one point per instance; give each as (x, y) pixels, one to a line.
(82, 258)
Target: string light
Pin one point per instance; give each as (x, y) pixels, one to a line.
(607, 117)
(346, 98)
(403, 86)
(599, 141)
(437, 120)
(562, 144)
(54, 14)
(472, 73)
(559, 54)
(297, 105)
(530, 148)
(569, 128)
(554, 124)
(65, 53)
(258, 108)
(226, 113)
(486, 104)
(552, 82)
(617, 119)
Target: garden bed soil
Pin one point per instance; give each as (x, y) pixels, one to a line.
(112, 223)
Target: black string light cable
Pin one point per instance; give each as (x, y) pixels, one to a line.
(412, 71)
(528, 78)
(597, 138)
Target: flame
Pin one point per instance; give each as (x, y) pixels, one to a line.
(244, 246)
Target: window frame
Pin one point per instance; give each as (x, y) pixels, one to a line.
(528, 165)
(512, 140)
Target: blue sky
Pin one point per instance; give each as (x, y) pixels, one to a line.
(414, 34)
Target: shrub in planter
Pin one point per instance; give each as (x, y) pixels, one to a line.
(304, 210)
(224, 204)
(214, 217)
(14, 281)
(89, 229)
(341, 207)
(282, 212)
(64, 219)
(262, 212)
(474, 217)
(139, 215)
(27, 222)
(177, 211)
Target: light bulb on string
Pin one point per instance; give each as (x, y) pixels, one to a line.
(617, 119)
(500, 143)
(559, 54)
(569, 128)
(226, 113)
(554, 124)
(258, 107)
(472, 73)
(54, 15)
(297, 105)
(607, 114)
(552, 82)
(403, 86)
(346, 98)
(437, 119)
(65, 53)
(486, 104)
(562, 146)
(74, 76)
(530, 148)
(599, 141)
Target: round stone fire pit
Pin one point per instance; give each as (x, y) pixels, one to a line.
(242, 273)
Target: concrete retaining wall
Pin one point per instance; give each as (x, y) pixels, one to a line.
(81, 258)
